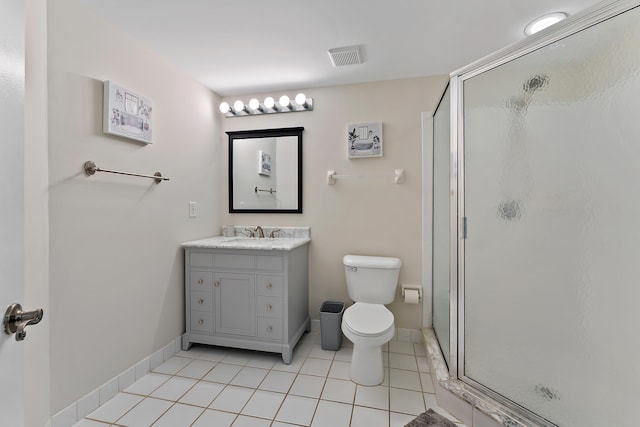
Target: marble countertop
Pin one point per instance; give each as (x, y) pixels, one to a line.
(241, 242)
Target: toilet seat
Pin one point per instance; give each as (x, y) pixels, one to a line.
(368, 320)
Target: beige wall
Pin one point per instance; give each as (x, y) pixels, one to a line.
(116, 266)
(368, 216)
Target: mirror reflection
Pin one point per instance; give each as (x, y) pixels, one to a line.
(265, 171)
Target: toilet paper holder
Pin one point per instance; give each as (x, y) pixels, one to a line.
(413, 288)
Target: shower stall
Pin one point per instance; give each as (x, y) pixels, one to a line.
(536, 224)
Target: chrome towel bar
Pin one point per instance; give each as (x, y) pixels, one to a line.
(90, 168)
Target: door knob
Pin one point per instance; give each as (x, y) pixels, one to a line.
(16, 320)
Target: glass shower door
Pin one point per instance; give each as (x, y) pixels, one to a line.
(551, 171)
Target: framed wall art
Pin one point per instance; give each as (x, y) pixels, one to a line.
(364, 140)
(264, 163)
(127, 113)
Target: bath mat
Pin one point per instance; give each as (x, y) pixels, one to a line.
(430, 419)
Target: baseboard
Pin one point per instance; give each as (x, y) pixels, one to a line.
(98, 397)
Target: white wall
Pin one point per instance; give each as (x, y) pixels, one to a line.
(361, 216)
(116, 266)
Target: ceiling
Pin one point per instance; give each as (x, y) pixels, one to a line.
(251, 46)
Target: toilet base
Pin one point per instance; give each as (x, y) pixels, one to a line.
(366, 365)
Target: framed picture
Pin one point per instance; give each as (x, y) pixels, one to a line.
(264, 163)
(364, 140)
(127, 114)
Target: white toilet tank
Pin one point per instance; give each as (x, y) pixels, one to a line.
(371, 279)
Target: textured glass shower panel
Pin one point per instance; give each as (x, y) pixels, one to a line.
(552, 169)
(441, 220)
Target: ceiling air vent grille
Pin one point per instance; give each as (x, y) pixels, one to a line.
(348, 55)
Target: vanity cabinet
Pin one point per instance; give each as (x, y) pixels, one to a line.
(251, 299)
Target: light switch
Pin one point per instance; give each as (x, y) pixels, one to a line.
(193, 209)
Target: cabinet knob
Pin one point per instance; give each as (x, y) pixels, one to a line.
(269, 307)
(269, 328)
(268, 285)
(216, 284)
(200, 301)
(201, 321)
(200, 281)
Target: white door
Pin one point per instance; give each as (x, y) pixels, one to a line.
(11, 204)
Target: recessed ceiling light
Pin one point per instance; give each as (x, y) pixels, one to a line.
(543, 22)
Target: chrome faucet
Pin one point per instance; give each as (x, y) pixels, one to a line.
(260, 232)
(273, 232)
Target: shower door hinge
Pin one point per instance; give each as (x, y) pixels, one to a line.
(464, 227)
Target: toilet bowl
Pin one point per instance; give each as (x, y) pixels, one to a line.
(368, 324)
(368, 327)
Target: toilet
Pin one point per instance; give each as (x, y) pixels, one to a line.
(368, 324)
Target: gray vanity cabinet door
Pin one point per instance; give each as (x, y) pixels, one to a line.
(235, 306)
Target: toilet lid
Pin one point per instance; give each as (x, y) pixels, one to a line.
(368, 319)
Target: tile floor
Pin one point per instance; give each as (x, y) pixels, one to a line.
(215, 386)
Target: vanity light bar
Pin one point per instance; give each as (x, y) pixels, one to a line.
(268, 106)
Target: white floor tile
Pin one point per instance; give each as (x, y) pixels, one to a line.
(281, 424)
(406, 401)
(179, 416)
(339, 391)
(244, 421)
(264, 360)
(344, 354)
(369, 417)
(373, 397)
(403, 347)
(400, 420)
(313, 366)
(174, 388)
(423, 364)
(340, 370)
(210, 418)
(294, 366)
(237, 357)
(90, 423)
(297, 410)
(427, 383)
(431, 402)
(197, 369)
(202, 394)
(402, 361)
(307, 386)
(278, 381)
(419, 349)
(147, 384)
(232, 399)
(249, 377)
(116, 407)
(222, 373)
(332, 414)
(173, 365)
(145, 413)
(263, 404)
(318, 352)
(409, 380)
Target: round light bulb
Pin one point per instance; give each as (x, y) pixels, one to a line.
(238, 106)
(284, 101)
(269, 102)
(254, 104)
(224, 107)
(301, 99)
(543, 22)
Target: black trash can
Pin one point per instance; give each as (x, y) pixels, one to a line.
(331, 325)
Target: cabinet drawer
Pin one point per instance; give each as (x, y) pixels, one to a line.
(270, 329)
(201, 301)
(201, 321)
(198, 259)
(201, 281)
(269, 262)
(269, 286)
(246, 262)
(270, 307)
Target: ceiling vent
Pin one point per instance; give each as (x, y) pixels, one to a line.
(348, 55)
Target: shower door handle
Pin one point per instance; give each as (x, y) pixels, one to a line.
(16, 320)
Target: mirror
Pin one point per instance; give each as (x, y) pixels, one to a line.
(265, 171)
